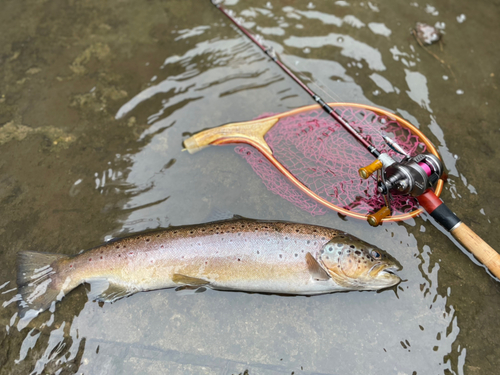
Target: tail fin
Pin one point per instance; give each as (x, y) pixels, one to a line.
(37, 281)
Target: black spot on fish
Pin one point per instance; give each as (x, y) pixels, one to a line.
(330, 249)
(296, 230)
(157, 235)
(340, 252)
(203, 230)
(118, 247)
(296, 255)
(308, 242)
(314, 230)
(258, 252)
(281, 255)
(357, 252)
(191, 232)
(352, 246)
(239, 259)
(119, 255)
(323, 238)
(339, 245)
(147, 239)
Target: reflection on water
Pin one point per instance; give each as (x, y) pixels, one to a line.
(183, 71)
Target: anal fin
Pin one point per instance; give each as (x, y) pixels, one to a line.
(188, 280)
(316, 271)
(106, 291)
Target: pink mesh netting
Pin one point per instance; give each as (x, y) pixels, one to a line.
(325, 158)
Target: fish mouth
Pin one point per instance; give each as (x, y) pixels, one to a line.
(379, 270)
(391, 270)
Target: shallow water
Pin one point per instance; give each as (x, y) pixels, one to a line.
(95, 102)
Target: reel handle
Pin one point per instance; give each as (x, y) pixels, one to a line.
(470, 240)
(367, 171)
(376, 219)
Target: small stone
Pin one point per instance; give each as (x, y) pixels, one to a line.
(427, 34)
(33, 71)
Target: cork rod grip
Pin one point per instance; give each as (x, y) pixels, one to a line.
(481, 250)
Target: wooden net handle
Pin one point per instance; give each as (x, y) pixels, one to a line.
(251, 132)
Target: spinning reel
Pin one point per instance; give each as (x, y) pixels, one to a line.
(411, 176)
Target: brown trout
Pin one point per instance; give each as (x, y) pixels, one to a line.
(244, 255)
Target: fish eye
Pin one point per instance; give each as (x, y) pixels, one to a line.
(376, 254)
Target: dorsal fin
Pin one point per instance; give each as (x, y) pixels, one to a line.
(316, 271)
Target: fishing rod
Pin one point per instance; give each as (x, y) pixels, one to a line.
(269, 51)
(415, 176)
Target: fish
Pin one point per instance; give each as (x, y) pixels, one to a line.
(235, 255)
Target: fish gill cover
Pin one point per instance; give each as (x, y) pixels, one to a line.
(325, 158)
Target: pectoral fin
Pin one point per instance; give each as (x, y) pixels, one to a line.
(187, 280)
(316, 271)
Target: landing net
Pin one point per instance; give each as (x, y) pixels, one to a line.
(325, 158)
